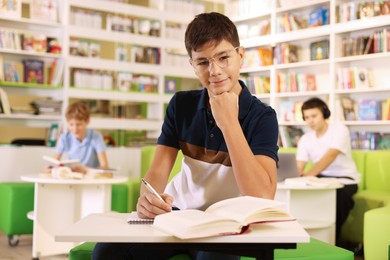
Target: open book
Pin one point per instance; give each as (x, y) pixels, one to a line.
(57, 163)
(226, 217)
(314, 181)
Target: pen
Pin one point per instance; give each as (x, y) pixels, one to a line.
(150, 188)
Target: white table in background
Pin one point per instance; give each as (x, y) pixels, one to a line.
(61, 202)
(313, 207)
(259, 242)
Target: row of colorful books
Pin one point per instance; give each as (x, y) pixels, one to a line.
(116, 23)
(257, 57)
(362, 110)
(289, 111)
(370, 141)
(121, 81)
(295, 82)
(354, 77)
(257, 84)
(354, 10)
(31, 42)
(32, 71)
(39, 9)
(285, 53)
(376, 42)
(84, 48)
(291, 22)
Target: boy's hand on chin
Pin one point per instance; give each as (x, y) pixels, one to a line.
(224, 108)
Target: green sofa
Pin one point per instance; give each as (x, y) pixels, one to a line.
(377, 233)
(372, 196)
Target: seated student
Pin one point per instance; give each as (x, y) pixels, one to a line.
(80, 142)
(228, 138)
(328, 146)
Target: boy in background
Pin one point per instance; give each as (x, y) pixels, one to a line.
(328, 146)
(80, 142)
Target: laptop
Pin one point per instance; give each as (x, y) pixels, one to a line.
(287, 167)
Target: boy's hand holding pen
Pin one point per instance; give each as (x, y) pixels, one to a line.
(151, 203)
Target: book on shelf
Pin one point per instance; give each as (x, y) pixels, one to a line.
(34, 42)
(349, 109)
(56, 72)
(226, 217)
(34, 71)
(171, 85)
(11, 71)
(290, 135)
(61, 163)
(43, 10)
(4, 102)
(285, 53)
(286, 111)
(319, 50)
(316, 17)
(123, 81)
(369, 109)
(10, 8)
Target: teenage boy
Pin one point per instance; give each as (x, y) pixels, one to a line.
(328, 146)
(227, 136)
(80, 142)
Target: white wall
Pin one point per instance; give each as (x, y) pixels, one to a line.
(18, 161)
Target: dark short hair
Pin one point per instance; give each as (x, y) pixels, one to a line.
(316, 103)
(210, 28)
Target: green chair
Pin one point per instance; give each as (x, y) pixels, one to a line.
(119, 197)
(377, 233)
(17, 199)
(375, 194)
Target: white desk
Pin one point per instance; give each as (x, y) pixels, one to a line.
(112, 227)
(59, 203)
(314, 208)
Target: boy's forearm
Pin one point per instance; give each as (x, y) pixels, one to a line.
(255, 175)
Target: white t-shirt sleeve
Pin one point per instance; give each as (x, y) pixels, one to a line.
(340, 138)
(302, 151)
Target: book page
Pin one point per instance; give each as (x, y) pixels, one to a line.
(193, 223)
(243, 209)
(55, 162)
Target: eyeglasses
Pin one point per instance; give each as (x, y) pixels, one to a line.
(222, 59)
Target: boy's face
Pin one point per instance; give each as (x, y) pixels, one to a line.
(78, 128)
(218, 67)
(314, 118)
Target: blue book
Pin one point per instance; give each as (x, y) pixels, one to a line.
(369, 109)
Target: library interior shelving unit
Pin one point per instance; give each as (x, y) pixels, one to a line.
(125, 59)
(347, 43)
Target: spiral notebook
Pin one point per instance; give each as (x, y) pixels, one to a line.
(134, 219)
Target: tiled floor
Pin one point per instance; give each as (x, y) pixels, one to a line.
(23, 250)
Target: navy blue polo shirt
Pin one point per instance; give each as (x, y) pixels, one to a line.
(190, 126)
